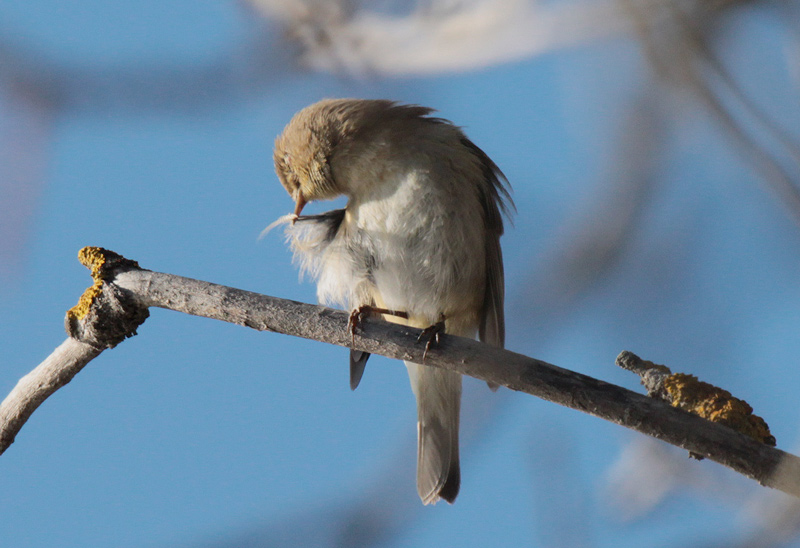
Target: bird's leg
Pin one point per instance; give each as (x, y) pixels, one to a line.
(432, 334)
(365, 310)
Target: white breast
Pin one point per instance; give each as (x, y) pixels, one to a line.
(426, 246)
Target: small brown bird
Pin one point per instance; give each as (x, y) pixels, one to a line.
(420, 235)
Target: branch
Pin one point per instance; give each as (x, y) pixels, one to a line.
(117, 303)
(435, 37)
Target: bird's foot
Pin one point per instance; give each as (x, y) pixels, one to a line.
(431, 336)
(366, 310)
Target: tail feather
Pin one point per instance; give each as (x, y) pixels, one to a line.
(438, 395)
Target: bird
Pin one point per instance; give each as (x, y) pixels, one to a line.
(418, 242)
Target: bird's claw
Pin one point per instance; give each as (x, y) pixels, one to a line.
(356, 317)
(431, 335)
(365, 310)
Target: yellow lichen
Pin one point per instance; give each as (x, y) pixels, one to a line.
(93, 259)
(105, 315)
(80, 310)
(717, 405)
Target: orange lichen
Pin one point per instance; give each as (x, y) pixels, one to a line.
(717, 405)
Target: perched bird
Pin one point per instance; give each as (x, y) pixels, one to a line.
(420, 236)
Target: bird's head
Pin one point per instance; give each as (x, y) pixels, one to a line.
(330, 133)
(302, 154)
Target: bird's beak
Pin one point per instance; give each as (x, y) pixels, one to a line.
(299, 204)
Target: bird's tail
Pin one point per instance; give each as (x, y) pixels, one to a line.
(438, 395)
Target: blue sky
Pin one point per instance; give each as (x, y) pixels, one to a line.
(202, 434)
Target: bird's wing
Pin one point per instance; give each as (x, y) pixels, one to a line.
(492, 328)
(496, 201)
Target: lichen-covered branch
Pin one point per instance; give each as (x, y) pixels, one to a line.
(119, 301)
(700, 398)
